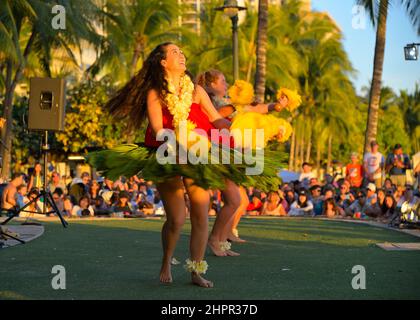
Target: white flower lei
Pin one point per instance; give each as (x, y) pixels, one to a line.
(180, 105)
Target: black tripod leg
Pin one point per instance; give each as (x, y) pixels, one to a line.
(5, 234)
(48, 197)
(7, 220)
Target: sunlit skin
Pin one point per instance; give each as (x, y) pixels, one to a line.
(84, 203)
(172, 191)
(389, 202)
(226, 221)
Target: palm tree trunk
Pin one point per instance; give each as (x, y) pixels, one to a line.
(292, 151)
(308, 147)
(302, 150)
(135, 59)
(329, 152)
(261, 50)
(297, 148)
(318, 160)
(11, 83)
(375, 91)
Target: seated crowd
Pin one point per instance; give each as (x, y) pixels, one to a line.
(85, 197)
(362, 193)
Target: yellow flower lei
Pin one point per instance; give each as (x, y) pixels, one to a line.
(197, 267)
(180, 105)
(294, 98)
(225, 246)
(241, 93)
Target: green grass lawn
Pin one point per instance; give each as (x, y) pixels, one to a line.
(283, 259)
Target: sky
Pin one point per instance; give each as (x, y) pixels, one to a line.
(359, 43)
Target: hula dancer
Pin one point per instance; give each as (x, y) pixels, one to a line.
(251, 116)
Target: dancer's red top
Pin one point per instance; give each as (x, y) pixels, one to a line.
(196, 115)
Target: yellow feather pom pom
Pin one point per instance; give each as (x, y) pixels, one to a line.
(241, 93)
(274, 128)
(295, 99)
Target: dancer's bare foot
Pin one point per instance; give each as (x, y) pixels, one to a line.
(215, 248)
(231, 253)
(200, 281)
(234, 238)
(165, 273)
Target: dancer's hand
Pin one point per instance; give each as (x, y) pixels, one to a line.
(282, 103)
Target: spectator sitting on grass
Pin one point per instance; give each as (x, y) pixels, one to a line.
(306, 175)
(67, 206)
(374, 208)
(100, 208)
(303, 206)
(22, 198)
(399, 192)
(36, 178)
(123, 206)
(158, 204)
(381, 196)
(283, 200)
(77, 190)
(330, 209)
(143, 205)
(255, 205)
(56, 182)
(388, 207)
(290, 197)
(371, 197)
(358, 207)
(317, 199)
(388, 184)
(58, 196)
(343, 198)
(313, 182)
(273, 205)
(35, 207)
(408, 198)
(84, 204)
(94, 189)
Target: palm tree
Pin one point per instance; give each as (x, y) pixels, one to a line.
(409, 104)
(261, 50)
(378, 13)
(132, 29)
(25, 25)
(211, 49)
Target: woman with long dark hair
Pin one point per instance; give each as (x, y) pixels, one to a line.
(163, 92)
(36, 178)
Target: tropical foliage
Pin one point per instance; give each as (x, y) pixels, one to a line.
(304, 52)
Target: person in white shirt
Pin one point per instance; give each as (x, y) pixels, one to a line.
(83, 207)
(301, 207)
(373, 163)
(306, 175)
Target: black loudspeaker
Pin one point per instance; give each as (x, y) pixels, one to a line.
(47, 104)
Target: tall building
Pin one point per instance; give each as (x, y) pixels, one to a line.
(190, 17)
(253, 4)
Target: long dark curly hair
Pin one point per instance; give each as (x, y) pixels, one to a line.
(130, 102)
